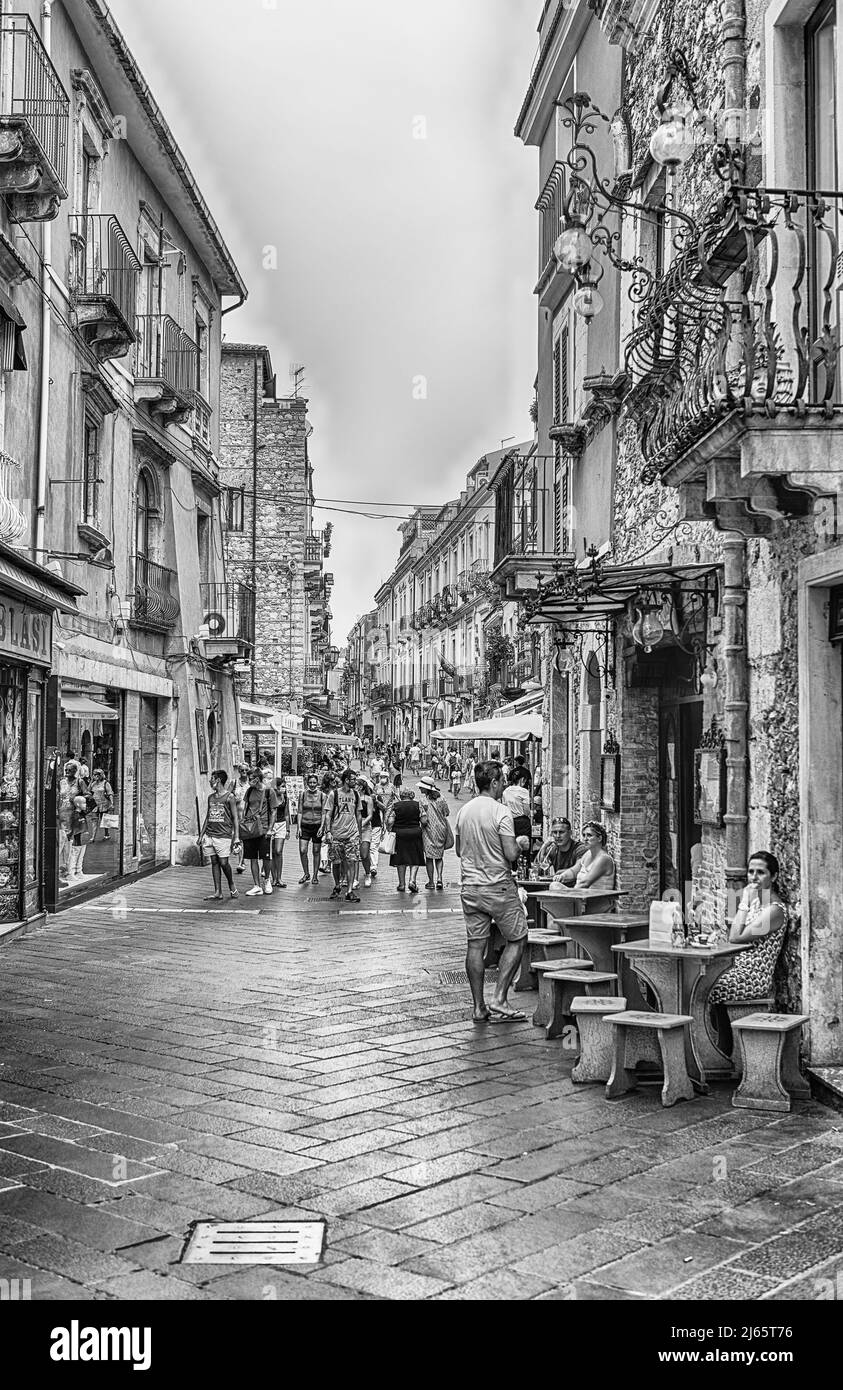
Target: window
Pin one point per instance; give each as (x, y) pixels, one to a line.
(234, 508)
(203, 537)
(201, 336)
(90, 474)
(145, 513)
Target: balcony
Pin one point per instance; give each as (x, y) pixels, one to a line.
(155, 602)
(165, 368)
(315, 550)
(104, 274)
(13, 523)
(200, 422)
(736, 393)
(34, 124)
(229, 616)
(314, 679)
(531, 520)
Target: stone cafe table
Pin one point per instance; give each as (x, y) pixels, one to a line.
(597, 932)
(562, 904)
(681, 978)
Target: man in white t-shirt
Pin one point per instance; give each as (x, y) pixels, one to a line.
(486, 845)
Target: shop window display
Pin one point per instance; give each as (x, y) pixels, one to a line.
(90, 827)
(12, 695)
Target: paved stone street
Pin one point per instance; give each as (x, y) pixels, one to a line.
(166, 1060)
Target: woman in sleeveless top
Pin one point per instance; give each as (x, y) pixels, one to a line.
(761, 919)
(595, 870)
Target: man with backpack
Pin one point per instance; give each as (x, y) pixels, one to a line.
(341, 831)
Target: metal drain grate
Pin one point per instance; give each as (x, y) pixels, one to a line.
(459, 977)
(255, 1243)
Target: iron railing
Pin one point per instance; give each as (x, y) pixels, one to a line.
(317, 547)
(229, 611)
(526, 509)
(746, 320)
(155, 602)
(31, 91)
(103, 264)
(13, 523)
(165, 352)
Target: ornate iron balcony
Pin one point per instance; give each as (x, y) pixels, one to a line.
(34, 124)
(155, 601)
(165, 366)
(745, 324)
(104, 274)
(13, 523)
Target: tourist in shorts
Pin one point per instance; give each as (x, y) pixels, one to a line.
(280, 831)
(311, 815)
(487, 848)
(341, 829)
(221, 834)
(256, 822)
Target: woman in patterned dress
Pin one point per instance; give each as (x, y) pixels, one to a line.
(760, 919)
(434, 831)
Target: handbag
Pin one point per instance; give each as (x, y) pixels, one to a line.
(450, 840)
(387, 844)
(109, 821)
(255, 823)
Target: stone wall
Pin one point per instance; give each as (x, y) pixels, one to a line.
(269, 551)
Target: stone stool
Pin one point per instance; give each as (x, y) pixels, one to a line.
(544, 1007)
(540, 946)
(565, 985)
(742, 1009)
(595, 1060)
(769, 1051)
(642, 1037)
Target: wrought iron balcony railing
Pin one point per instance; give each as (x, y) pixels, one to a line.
(34, 106)
(527, 510)
(165, 353)
(104, 269)
(229, 611)
(13, 523)
(155, 602)
(746, 322)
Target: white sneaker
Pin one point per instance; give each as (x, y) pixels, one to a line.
(355, 885)
(255, 893)
(267, 888)
(367, 882)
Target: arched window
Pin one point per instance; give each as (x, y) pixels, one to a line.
(145, 513)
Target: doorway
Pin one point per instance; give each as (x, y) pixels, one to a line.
(680, 733)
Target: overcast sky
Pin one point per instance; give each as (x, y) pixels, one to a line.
(398, 257)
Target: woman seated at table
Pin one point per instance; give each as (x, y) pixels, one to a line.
(761, 919)
(595, 870)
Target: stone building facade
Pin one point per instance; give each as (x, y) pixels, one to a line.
(114, 278)
(267, 482)
(689, 619)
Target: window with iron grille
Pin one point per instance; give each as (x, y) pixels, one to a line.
(234, 508)
(90, 477)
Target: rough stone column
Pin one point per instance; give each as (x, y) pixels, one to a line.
(737, 715)
(733, 67)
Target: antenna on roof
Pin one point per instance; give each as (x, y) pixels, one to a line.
(506, 441)
(297, 377)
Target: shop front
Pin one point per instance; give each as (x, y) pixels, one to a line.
(29, 598)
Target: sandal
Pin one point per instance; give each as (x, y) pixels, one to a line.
(440, 885)
(306, 879)
(352, 898)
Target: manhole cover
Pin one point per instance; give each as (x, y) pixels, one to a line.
(255, 1243)
(459, 977)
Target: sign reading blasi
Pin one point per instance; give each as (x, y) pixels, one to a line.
(25, 633)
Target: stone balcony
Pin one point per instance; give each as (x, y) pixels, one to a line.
(34, 124)
(103, 283)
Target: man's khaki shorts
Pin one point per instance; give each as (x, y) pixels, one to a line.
(498, 903)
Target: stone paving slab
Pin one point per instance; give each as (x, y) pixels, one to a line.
(451, 1162)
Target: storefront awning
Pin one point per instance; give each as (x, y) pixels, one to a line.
(515, 728)
(582, 598)
(82, 707)
(38, 586)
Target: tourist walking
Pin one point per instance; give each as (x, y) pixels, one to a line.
(455, 771)
(415, 758)
(487, 848)
(241, 786)
(220, 834)
(368, 811)
(280, 831)
(437, 835)
(311, 816)
(258, 817)
(405, 817)
(468, 776)
(341, 830)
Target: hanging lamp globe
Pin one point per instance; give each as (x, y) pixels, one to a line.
(587, 302)
(573, 248)
(672, 143)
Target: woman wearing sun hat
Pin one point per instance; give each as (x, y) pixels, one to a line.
(435, 832)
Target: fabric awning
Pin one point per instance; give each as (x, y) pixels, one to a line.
(583, 599)
(515, 728)
(82, 707)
